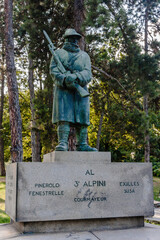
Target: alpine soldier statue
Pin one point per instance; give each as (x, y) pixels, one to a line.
(70, 108)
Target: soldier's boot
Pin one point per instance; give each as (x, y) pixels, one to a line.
(63, 133)
(81, 135)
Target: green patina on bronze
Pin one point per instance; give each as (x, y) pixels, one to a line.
(70, 69)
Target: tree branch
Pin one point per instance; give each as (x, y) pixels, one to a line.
(113, 78)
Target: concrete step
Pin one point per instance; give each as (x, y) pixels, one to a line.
(149, 232)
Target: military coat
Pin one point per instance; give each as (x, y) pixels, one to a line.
(68, 105)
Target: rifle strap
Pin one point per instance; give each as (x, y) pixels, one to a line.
(72, 61)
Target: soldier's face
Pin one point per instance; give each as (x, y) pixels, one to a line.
(73, 39)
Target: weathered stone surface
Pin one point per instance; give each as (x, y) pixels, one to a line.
(81, 225)
(11, 187)
(62, 191)
(8, 231)
(149, 232)
(77, 157)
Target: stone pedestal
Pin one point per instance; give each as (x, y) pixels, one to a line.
(78, 191)
(78, 157)
(80, 225)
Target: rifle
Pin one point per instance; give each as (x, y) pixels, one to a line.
(80, 90)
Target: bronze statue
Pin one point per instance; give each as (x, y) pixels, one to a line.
(71, 70)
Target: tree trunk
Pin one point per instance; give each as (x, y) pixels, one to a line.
(35, 135)
(79, 17)
(146, 137)
(2, 165)
(14, 108)
(78, 21)
(99, 130)
(146, 98)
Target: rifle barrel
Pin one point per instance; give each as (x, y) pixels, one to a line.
(47, 37)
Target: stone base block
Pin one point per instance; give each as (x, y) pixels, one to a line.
(78, 192)
(59, 191)
(80, 225)
(77, 157)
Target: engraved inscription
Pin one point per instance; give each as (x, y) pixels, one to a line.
(47, 185)
(90, 190)
(131, 186)
(46, 193)
(89, 197)
(76, 183)
(89, 172)
(10, 187)
(39, 190)
(94, 183)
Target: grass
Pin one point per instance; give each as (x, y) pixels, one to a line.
(4, 218)
(156, 188)
(152, 222)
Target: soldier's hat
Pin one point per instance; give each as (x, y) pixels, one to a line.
(71, 32)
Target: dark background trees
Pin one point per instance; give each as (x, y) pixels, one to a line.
(14, 108)
(120, 29)
(2, 79)
(121, 38)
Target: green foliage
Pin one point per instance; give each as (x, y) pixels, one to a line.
(30, 19)
(43, 106)
(46, 128)
(156, 169)
(35, 16)
(156, 188)
(6, 133)
(114, 33)
(4, 218)
(137, 8)
(26, 124)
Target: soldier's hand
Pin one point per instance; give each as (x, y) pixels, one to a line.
(70, 81)
(81, 82)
